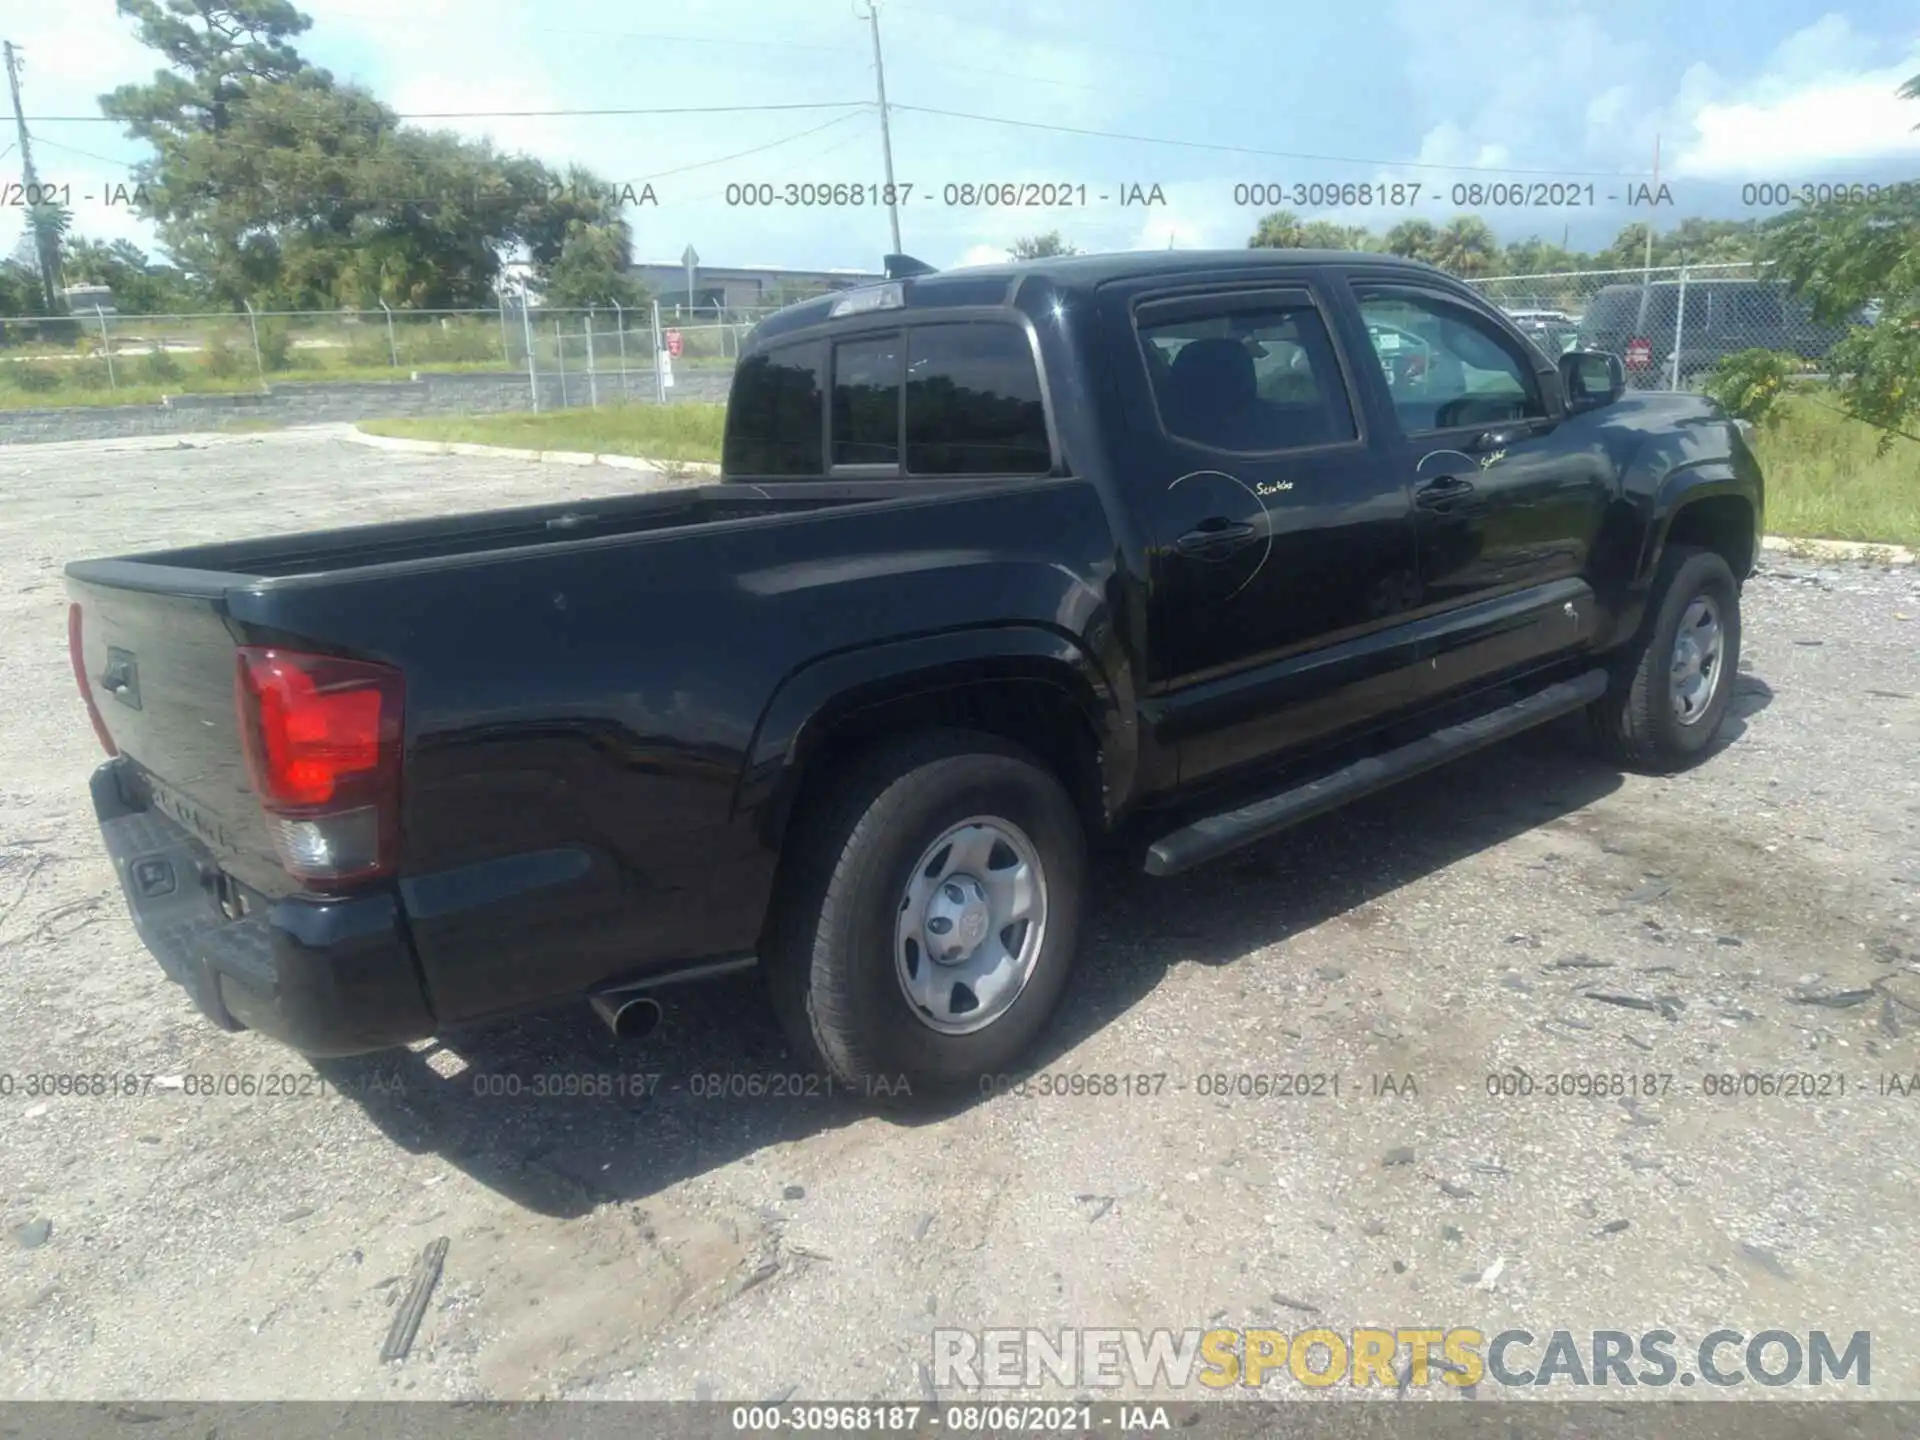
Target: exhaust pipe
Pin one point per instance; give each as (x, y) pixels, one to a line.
(628, 1016)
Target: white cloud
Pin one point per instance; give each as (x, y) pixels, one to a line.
(984, 255)
(1448, 144)
(1800, 114)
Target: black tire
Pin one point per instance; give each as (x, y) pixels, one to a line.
(830, 952)
(1635, 721)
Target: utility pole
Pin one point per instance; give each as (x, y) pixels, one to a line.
(43, 243)
(1647, 264)
(886, 132)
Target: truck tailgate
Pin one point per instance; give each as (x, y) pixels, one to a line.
(161, 668)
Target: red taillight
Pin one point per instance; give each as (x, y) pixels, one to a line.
(76, 652)
(322, 737)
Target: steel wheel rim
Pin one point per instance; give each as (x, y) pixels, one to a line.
(1698, 648)
(970, 925)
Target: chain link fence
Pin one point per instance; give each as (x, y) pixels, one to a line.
(580, 357)
(616, 355)
(1670, 325)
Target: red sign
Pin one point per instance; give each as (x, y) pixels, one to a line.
(1639, 354)
(673, 343)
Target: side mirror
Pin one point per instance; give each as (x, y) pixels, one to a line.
(1592, 378)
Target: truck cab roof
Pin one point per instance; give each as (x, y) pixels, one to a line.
(999, 284)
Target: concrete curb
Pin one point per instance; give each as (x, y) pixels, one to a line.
(544, 457)
(1857, 550)
(1863, 551)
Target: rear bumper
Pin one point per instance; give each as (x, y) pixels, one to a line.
(327, 977)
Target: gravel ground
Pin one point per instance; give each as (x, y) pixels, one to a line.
(1526, 909)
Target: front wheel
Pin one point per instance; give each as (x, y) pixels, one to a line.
(927, 925)
(1671, 685)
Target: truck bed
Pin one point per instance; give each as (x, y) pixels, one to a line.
(207, 569)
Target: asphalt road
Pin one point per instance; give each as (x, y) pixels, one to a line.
(1525, 912)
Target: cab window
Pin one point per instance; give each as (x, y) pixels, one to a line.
(1446, 366)
(1246, 375)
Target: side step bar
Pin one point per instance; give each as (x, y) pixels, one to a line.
(1216, 834)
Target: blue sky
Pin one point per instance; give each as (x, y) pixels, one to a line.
(1395, 90)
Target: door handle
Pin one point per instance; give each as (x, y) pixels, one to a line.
(1215, 539)
(1441, 490)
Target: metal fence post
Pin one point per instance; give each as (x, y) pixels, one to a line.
(659, 378)
(1679, 329)
(106, 347)
(533, 371)
(620, 329)
(560, 359)
(506, 351)
(393, 350)
(593, 381)
(253, 324)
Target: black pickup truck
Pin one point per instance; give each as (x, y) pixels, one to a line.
(1168, 550)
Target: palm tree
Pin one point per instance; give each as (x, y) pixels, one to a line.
(1327, 235)
(1279, 231)
(1039, 247)
(1467, 247)
(1413, 239)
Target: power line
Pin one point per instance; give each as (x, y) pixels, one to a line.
(699, 40)
(1254, 150)
(1010, 75)
(502, 193)
(528, 114)
(789, 168)
(76, 150)
(757, 149)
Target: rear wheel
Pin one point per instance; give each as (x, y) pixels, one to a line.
(1671, 685)
(927, 924)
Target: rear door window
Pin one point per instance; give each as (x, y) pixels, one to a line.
(866, 400)
(973, 402)
(775, 413)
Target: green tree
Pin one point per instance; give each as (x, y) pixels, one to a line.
(1413, 240)
(1327, 235)
(276, 185)
(1534, 256)
(1845, 256)
(1708, 242)
(1040, 247)
(46, 229)
(594, 269)
(140, 286)
(1627, 251)
(19, 289)
(1466, 247)
(1281, 230)
(218, 52)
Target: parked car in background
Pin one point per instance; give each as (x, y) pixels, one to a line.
(1554, 331)
(1646, 325)
(1402, 354)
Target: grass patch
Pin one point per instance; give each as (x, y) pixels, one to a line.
(687, 432)
(1825, 481)
(41, 384)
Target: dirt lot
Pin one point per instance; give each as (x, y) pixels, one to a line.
(1754, 915)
